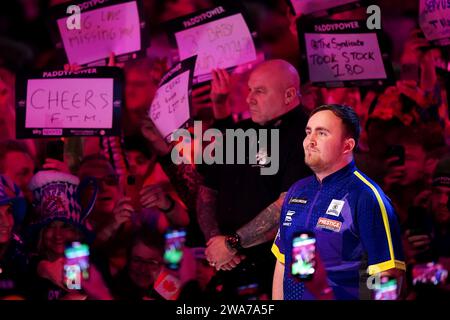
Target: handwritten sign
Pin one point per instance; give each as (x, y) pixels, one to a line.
(112, 28)
(309, 6)
(434, 19)
(344, 57)
(64, 103)
(171, 104)
(72, 103)
(221, 43)
(342, 52)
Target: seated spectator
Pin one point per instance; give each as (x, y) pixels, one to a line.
(13, 261)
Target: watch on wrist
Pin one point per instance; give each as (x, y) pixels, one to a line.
(233, 241)
(171, 205)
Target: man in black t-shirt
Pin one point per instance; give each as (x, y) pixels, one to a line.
(238, 205)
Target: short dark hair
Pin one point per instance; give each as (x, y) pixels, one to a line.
(348, 117)
(138, 143)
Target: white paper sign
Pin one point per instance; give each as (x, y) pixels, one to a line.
(170, 107)
(222, 43)
(109, 29)
(434, 19)
(340, 57)
(69, 103)
(308, 6)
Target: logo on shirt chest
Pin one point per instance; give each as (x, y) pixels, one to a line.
(294, 200)
(335, 207)
(329, 224)
(288, 218)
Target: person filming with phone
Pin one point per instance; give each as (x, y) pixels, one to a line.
(340, 214)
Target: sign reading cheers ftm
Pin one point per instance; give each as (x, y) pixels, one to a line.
(339, 53)
(105, 26)
(86, 102)
(170, 109)
(219, 37)
(434, 19)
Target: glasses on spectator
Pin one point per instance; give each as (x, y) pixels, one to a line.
(152, 263)
(109, 180)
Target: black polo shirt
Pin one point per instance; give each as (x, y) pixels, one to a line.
(243, 192)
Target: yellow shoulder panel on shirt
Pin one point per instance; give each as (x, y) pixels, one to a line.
(277, 253)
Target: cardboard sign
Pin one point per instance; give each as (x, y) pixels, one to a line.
(303, 7)
(340, 53)
(105, 27)
(63, 103)
(170, 108)
(434, 20)
(220, 38)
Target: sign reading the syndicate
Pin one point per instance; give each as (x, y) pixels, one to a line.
(171, 104)
(303, 7)
(106, 26)
(64, 103)
(434, 19)
(220, 38)
(339, 53)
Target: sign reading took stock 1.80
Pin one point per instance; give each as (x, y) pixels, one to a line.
(106, 26)
(342, 53)
(170, 108)
(219, 37)
(86, 102)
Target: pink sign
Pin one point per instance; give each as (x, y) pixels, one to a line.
(109, 29)
(222, 43)
(434, 19)
(170, 107)
(343, 57)
(69, 103)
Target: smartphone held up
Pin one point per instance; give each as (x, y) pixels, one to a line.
(76, 267)
(303, 264)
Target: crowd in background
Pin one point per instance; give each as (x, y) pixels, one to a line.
(126, 223)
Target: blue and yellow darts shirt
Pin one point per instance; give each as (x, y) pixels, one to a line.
(356, 228)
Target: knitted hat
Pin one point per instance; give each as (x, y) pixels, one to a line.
(56, 197)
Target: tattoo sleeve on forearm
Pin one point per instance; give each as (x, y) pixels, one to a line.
(206, 212)
(264, 226)
(184, 178)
